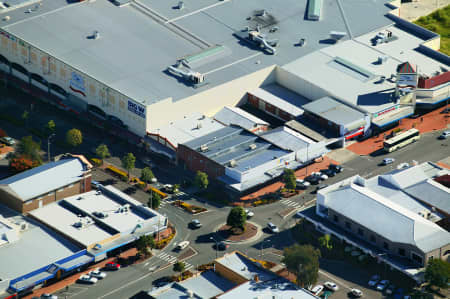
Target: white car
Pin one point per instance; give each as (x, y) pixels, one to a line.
(320, 175)
(382, 285)
(272, 227)
(331, 286)
(317, 289)
(374, 280)
(97, 274)
(303, 182)
(444, 135)
(249, 213)
(48, 296)
(88, 279)
(182, 245)
(402, 165)
(356, 293)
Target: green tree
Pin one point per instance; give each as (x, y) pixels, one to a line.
(147, 175)
(289, 179)
(437, 273)
(74, 137)
(50, 127)
(102, 151)
(237, 217)
(201, 180)
(25, 117)
(325, 242)
(303, 260)
(29, 148)
(144, 243)
(154, 201)
(179, 266)
(176, 188)
(128, 162)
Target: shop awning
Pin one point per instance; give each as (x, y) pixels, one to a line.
(394, 116)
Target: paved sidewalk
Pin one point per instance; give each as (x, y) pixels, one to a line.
(432, 121)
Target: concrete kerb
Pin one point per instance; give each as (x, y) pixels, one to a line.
(258, 235)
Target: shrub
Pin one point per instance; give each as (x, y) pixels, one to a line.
(21, 163)
(117, 171)
(163, 242)
(97, 162)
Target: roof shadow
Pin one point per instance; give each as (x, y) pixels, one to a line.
(375, 98)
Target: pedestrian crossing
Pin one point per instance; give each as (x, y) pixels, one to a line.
(172, 259)
(291, 203)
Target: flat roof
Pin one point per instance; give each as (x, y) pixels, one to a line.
(237, 116)
(334, 111)
(287, 138)
(63, 33)
(233, 143)
(45, 245)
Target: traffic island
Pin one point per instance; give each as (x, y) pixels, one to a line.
(228, 234)
(189, 208)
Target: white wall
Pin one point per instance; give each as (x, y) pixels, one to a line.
(259, 170)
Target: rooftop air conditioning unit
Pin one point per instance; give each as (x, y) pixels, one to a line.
(252, 146)
(23, 226)
(203, 148)
(233, 163)
(199, 125)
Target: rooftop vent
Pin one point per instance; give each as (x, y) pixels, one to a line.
(252, 146)
(6, 18)
(95, 35)
(124, 209)
(232, 163)
(203, 148)
(180, 5)
(23, 226)
(199, 125)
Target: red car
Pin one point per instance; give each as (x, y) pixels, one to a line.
(112, 266)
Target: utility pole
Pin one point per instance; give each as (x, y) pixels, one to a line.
(48, 146)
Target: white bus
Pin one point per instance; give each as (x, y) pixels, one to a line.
(401, 140)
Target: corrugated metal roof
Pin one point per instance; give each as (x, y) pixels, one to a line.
(277, 101)
(432, 193)
(237, 116)
(43, 179)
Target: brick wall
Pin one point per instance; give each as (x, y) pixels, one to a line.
(195, 161)
(434, 81)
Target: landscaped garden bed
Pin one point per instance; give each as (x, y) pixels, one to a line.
(233, 235)
(193, 209)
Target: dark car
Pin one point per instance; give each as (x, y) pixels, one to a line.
(221, 246)
(336, 168)
(300, 186)
(328, 172)
(314, 180)
(160, 282)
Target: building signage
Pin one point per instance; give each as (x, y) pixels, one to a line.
(386, 111)
(77, 84)
(406, 80)
(136, 108)
(8, 35)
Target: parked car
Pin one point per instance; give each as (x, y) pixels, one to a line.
(195, 223)
(272, 227)
(321, 176)
(95, 184)
(374, 280)
(336, 168)
(97, 274)
(303, 182)
(356, 293)
(328, 172)
(312, 179)
(317, 289)
(402, 165)
(87, 279)
(48, 296)
(321, 186)
(8, 141)
(249, 213)
(112, 266)
(444, 135)
(390, 289)
(300, 186)
(387, 161)
(160, 282)
(221, 246)
(382, 285)
(331, 286)
(182, 245)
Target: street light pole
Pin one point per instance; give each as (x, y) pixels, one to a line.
(217, 246)
(48, 146)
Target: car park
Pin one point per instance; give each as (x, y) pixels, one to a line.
(303, 182)
(317, 290)
(97, 274)
(356, 293)
(182, 245)
(312, 179)
(88, 279)
(195, 223)
(336, 168)
(48, 296)
(331, 286)
(390, 289)
(249, 213)
(382, 285)
(272, 227)
(300, 186)
(444, 135)
(387, 161)
(374, 280)
(321, 176)
(221, 246)
(112, 266)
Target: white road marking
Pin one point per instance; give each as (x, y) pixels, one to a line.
(197, 11)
